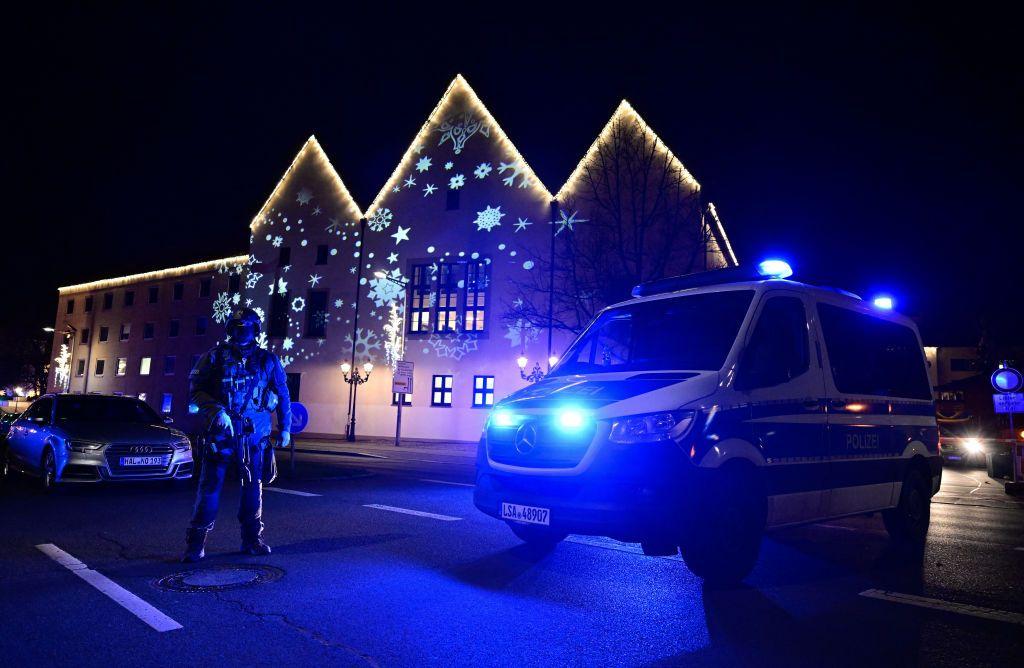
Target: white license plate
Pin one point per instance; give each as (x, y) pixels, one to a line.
(525, 514)
(143, 461)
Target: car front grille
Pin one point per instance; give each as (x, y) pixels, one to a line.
(115, 452)
(553, 447)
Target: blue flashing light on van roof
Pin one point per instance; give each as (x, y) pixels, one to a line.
(774, 268)
(883, 302)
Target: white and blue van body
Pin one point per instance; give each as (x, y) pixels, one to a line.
(797, 402)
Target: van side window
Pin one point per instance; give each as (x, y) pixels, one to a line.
(873, 356)
(778, 348)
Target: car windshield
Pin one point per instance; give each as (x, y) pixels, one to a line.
(692, 333)
(105, 409)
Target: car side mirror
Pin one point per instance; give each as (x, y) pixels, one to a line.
(168, 419)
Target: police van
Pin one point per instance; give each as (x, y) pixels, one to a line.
(712, 407)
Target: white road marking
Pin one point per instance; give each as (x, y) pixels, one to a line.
(448, 482)
(937, 604)
(127, 600)
(418, 513)
(289, 491)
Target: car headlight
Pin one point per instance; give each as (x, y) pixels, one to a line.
(973, 445)
(664, 426)
(182, 446)
(86, 447)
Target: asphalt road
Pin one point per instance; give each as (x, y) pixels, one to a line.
(362, 582)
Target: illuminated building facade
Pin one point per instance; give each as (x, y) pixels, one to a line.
(435, 271)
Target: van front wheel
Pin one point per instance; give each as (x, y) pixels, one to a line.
(907, 523)
(724, 539)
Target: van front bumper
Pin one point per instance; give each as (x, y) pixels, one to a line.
(633, 493)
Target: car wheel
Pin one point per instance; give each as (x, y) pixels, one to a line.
(48, 471)
(535, 536)
(722, 543)
(907, 523)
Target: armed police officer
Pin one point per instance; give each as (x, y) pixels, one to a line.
(237, 385)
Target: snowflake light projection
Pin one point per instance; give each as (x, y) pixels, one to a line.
(261, 340)
(252, 279)
(394, 346)
(380, 220)
(456, 182)
(298, 304)
(567, 222)
(222, 308)
(288, 343)
(489, 218)
(367, 345)
(409, 182)
(517, 167)
(423, 164)
(304, 197)
(520, 333)
(385, 290)
(459, 128)
(429, 190)
(482, 170)
(454, 345)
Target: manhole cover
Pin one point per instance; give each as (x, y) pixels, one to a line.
(219, 578)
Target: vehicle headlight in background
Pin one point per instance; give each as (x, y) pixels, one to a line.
(87, 447)
(973, 445)
(182, 446)
(664, 426)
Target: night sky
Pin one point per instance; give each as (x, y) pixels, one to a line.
(875, 149)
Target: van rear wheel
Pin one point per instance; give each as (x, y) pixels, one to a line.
(908, 522)
(724, 539)
(537, 536)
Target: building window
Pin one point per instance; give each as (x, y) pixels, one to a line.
(165, 405)
(169, 365)
(201, 325)
(477, 281)
(84, 338)
(316, 314)
(129, 297)
(88, 304)
(70, 307)
(122, 366)
(173, 327)
(441, 393)
(192, 362)
(279, 315)
(406, 399)
(148, 330)
(284, 256)
(204, 287)
(80, 371)
(100, 367)
(126, 331)
(179, 292)
(104, 333)
(234, 283)
(483, 391)
(321, 254)
(108, 301)
(144, 366)
(154, 294)
(448, 297)
(452, 203)
(294, 381)
(419, 299)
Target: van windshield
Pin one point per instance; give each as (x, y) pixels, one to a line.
(692, 333)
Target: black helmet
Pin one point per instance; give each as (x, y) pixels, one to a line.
(242, 317)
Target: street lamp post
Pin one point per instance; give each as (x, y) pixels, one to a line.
(536, 373)
(354, 379)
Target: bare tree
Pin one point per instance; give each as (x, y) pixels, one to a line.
(634, 215)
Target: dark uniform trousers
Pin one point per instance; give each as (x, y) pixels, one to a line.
(211, 480)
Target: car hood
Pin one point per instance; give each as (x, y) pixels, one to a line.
(121, 432)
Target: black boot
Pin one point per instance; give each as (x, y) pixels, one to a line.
(252, 539)
(195, 545)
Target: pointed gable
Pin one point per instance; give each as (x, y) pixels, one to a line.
(311, 164)
(459, 120)
(719, 244)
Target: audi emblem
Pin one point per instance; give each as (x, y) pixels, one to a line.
(141, 449)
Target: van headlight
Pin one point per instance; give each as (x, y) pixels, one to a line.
(665, 426)
(86, 447)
